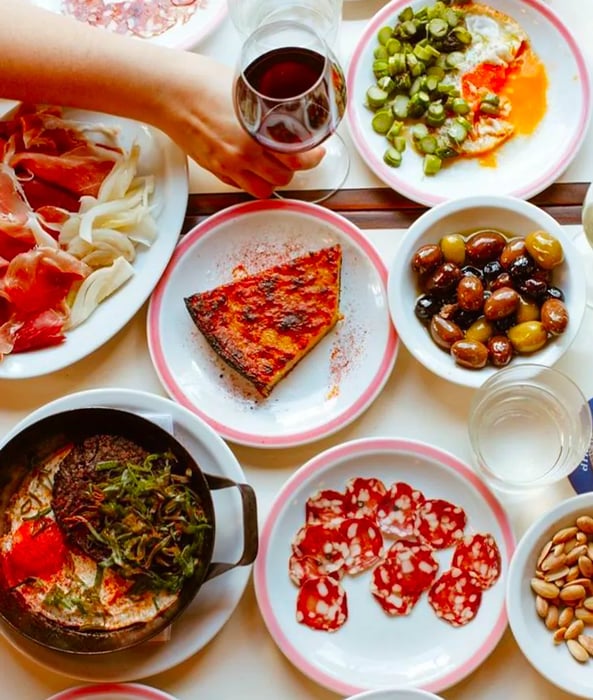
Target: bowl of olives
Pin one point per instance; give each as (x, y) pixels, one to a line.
(480, 282)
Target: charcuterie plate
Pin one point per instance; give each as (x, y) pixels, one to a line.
(212, 608)
(112, 691)
(371, 649)
(175, 24)
(332, 385)
(162, 159)
(522, 165)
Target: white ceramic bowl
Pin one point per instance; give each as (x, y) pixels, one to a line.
(510, 215)
(553, 661)
(396, 694)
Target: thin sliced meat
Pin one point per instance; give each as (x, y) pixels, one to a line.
(387, 590)
(365, 544)
(478, 555)
(440, 523)
(396, 514)
(415, 564)
(455, 598)
(324, 543)
(322, 604)
(363, 495)
(40, 330)
(40, 279)
(325, 506)
(80, 171)
(302, 568)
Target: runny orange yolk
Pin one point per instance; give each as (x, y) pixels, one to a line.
(526, 88)
(524, 84)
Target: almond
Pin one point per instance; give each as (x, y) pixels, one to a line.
(579, 652)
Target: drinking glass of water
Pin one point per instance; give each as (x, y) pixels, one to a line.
(324, 16)
(529, 426)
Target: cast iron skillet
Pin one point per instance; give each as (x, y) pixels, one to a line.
(40, 440)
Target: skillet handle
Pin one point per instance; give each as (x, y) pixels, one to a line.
(250, 530)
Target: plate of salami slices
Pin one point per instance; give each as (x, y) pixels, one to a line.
(382, 564)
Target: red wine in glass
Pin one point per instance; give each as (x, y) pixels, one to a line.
(291, 98)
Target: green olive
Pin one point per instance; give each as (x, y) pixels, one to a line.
(527, 311)
(544, 249)
(481, 329)
(528, 336)
(453, 247)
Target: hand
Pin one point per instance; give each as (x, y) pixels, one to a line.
(199, 115)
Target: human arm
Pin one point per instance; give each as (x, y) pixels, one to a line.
(51, 59)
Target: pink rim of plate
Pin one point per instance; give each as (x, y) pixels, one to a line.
(530, 189)
(132, 690)
(206, 29)
(176, 390)
(318, 464)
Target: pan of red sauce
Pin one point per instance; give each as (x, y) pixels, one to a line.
(107, 530)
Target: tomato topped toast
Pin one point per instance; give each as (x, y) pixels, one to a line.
(263, 324)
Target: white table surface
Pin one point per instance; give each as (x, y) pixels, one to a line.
(242, 661)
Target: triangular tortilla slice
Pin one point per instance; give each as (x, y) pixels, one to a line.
(262, 325)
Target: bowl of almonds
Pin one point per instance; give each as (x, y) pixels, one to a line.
(550, 595)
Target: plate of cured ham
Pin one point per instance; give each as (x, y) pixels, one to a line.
(91, 207)
(220, 262)
(499, 102)
(175, 23)
(382, 564)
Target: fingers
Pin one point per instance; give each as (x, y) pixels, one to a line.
(302, 161)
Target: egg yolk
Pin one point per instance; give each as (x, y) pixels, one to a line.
(526, 89)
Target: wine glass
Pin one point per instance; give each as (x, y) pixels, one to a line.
(290, 96)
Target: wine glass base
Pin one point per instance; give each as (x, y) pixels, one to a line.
(321, 182)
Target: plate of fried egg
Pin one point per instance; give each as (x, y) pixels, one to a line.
(450, 99)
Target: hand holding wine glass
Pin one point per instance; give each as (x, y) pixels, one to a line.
(290, 95)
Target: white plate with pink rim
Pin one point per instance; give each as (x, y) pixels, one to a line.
(371, 650)
(525, 164)
(217, 599)
(112, 691)
(180, 25)
(163, 159)
(332, 385)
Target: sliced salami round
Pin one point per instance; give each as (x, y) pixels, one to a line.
(415, 564)
(365, 544)
(455, 598)
(478, 555)
(388, 592)
(396, 513)
(302, 568)
(440, 523)
(322, 604)
(363, 495)
(326, 506)
(324, 543)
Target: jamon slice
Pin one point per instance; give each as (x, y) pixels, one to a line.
(262, 325)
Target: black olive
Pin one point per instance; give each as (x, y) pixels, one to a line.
(426, 307)
(464, 318)
(554, 293)
(522, 267)
(492, 269)
(472, 270)
(503, 324)
(533, 288)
